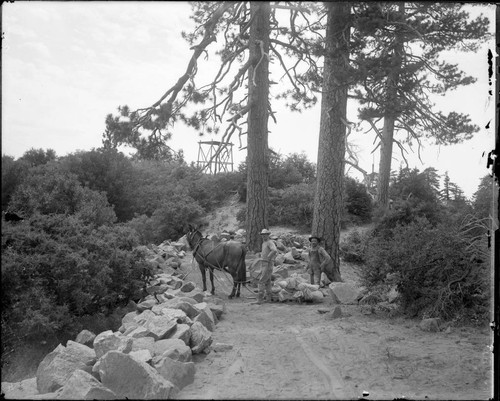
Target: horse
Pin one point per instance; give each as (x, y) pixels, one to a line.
(228, 256)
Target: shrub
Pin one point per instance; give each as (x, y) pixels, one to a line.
(353, 247)
(56, 268)
(440, 267)
(357, 200)
(292, 206)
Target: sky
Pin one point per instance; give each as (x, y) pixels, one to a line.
(66, 65)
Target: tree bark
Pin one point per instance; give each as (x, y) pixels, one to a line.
(390, 114)
(257, 136)
(328, 200)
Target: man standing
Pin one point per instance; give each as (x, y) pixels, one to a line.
(268, 254)
(318, 261)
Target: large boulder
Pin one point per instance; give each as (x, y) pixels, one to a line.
(143, 355)
(182, 332)
(20, 390)
(160, 327)
(128, 377)
(345, 293)
(83, 386)
(85, 337)
(206, 319)
(173, 314)
(111, 341)
(217, 309)
(146, 304)
(431, 324)
(184, 305)
(143, 343)
(57, 367)
(173, 348)
(200, 339)
(188, 286)
(179, 373)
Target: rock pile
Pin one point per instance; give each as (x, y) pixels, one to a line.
(149, 357)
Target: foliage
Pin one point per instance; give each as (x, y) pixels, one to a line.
(357, 200)
(50, 190)
(13, 173)
(107, 171)
(36, 157)
(57, 267)
(292, 206)
(483, 198)
(442, 270)
(291, 170)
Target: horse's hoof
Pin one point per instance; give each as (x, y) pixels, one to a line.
(230, 296)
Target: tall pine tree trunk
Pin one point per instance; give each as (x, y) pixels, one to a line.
(391, 111)
(328, 200)
(257, 137)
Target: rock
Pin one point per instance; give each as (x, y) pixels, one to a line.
(188, 286)
(196, 294)
(206, 320)
(56, 367)
(200, 339)
(182, 332)
(143, 317)
(335, 313)
(142, 343)
(182, 304)
(221, 347)
(24, 389)
(109, 341)
(344, 292)
(431, 324)
(175, 314)
(392, 295)
(133, 379)
(137, 332)
(217, 310)
(83, 386)
(157, 289)
(142, 355)
(173, 348)
(85, 337)
(129, 317)
(148, 304)
(160, 327)
(179, 373)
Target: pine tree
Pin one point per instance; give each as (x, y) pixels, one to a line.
(399, 66)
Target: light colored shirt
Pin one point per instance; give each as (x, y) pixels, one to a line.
(269, 250)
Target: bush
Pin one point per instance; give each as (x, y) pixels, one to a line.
(292, 206)
(56, 268)
(440, 267)
(353, 247)
(357, 200)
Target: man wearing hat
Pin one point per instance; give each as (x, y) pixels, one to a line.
(318, 261)
(268, 254)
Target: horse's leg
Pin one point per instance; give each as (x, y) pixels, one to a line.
(212, 280)
(234, 290)
(238, 290)
(203, 277)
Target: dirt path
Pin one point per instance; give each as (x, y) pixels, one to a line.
(291, 351)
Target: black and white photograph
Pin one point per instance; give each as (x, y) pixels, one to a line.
(274, 200)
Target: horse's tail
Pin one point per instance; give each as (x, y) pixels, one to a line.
(241, 273)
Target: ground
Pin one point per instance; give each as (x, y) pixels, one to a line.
(291, 351)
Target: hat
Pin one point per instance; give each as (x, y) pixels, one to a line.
(314, 236)
(264, 232)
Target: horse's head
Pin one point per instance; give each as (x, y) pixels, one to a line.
(193, 236)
